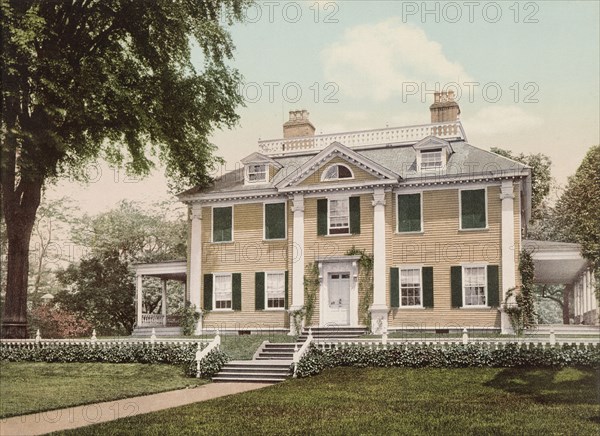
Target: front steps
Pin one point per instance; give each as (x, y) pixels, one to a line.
(146, 332)
(273, 351)
(333, 333)
(255, 371)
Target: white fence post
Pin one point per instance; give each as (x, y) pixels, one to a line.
(465, 337)
(38, 337)
(552, 337)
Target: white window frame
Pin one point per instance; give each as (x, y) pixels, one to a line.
(485, 286)
(215, 275)
(336, 198)
(248, 173)
(397, 230)
(212, 224)
(267, 274)
(444, 158)
(487, 212)
(325, 179)
(406, 268)
(285, 208)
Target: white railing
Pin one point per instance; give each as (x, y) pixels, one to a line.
(388, 135)
(299, 353)
(494, 343)
(202, 353)
(153, 319)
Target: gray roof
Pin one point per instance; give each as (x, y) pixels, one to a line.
(466, 161)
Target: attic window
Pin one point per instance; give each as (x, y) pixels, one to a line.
(256, 173)
(336, 172)
(431, 159)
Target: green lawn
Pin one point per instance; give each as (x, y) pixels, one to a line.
(378, 401)
(28, 387)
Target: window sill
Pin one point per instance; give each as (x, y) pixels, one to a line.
(222, 242)
(223, 310)
(337, 235)
(420, 232)
(275, 309)
(476, 307)
(274, 240)
(482, 229)
(412, 308)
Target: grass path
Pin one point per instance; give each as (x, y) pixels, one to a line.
(378, 401)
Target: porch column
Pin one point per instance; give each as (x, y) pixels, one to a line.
(379, 309)
(138, 290)
(508, 249)
(297, 256)
(164, 301)
(196, 260)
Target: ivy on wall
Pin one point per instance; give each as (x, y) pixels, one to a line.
(522, 314)
(365, 283)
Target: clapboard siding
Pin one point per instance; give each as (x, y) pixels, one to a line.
(360, 175)
(246, 255)
(442, 245)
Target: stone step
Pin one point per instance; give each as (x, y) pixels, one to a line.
(253, 371)
(219, 379)
(274, 356)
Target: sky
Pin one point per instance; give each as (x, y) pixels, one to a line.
(526, 76)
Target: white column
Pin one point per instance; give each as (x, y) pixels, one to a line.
(297, 255)
(164, 301)
(508, 248)
(379, 310)
(195, 262)
(138, 289)
(586, 293)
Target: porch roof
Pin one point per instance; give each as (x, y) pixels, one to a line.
(170, 270)
(555, 263)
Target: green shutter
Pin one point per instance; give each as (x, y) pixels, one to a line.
(456, 285)
(236, 291)
(259, 290)
(493, 291)
(355, 215)
(208, 291)
(275, 221)
(427, 286)
(322, 217)
(222, 224)
(394, 287)
(409, 213)
(286, 289)
(473, 213)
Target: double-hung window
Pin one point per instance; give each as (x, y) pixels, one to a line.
(410, 287)
(409, 213)
(222, 291)
(339, 216)
(473, 213)
(256, 173)
(474, 286)
(275, 290)
(222, 221)
(431, 159)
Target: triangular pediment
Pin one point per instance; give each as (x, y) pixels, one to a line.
(432, 142)
(259, 158)
(336, 153)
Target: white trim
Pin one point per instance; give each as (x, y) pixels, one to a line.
(413, 232)
(247, 180)
(410, 267)
(485, 195)
(443, 156)
(483, 265)
(285, 213)
(342, 264)
(337, 178)
(214, 294)
(266, 301)
(337, 198)
(212, 224)
(412, 189)
(339, 186)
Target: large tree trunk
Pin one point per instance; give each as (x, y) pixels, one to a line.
(566, 306)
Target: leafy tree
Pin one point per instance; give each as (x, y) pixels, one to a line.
(83, 79)
(100, 291)
(541, 178)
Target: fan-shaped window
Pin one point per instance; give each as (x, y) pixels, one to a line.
(336, 172)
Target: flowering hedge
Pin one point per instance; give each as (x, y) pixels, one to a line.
(452, 356)
(143, 352)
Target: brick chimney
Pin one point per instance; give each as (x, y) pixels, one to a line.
(298, 125)
(444, 108)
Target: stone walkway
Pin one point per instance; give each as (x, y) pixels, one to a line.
(80, 416)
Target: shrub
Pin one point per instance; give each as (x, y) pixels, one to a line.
(55, 322)
(451, 356)
(210, 365)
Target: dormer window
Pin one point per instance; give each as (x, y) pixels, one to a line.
(337, 172)
(431, 159)
(256, 173)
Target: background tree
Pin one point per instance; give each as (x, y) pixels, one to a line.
(83, 79)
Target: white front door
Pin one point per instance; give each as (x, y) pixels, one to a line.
(338, 310)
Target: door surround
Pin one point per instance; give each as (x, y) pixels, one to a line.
(335, 264)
